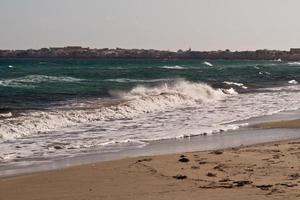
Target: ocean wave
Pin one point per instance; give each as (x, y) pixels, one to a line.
(237, 84)
(5, 115)
(208, 64)
(293, 82)
(172, 67)
(294, 63)
(28, 81)
(230, 91)
(127, 80)
(264, 73)
(180, 90)
(140, 100)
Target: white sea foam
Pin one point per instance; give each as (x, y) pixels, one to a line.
(139, 100)
(230, 91)
(293, 63)
(28, 81)
(237, 84)
(173, 67)
(208, 64)
(144, 114)
(256, 67)
(182, 91)
(264, 73)
(9, 114)
(293, 82)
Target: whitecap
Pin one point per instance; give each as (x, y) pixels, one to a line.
(293, 82)
(293, 63)
(237, 84)
(139, 100)
(256, 67)
(172, 67)
(28, 81)
(6, 115)
(230, 91)
(264, 73)
(208, 64)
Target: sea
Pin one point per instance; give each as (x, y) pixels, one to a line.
(58, 108)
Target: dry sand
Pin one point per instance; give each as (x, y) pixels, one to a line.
(268, 171)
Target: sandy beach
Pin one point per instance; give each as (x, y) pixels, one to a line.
(265, 171)
(149, 100)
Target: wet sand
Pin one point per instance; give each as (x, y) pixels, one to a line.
(267, 171)
(280, 124)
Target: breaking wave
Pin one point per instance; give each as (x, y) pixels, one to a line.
(294, 63)
(172, 67)
(30, 80)
(140, 100)
(236, 84)
(208, 64)
(179, 92)
(5, 115)
(293, 82)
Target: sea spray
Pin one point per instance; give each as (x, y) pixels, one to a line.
(139, 100)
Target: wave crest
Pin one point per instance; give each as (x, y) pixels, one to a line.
(27, 81)
(180, 90)
(140, 100)
(293, 63)
(293, 82)
(172, 67)
(236, 84)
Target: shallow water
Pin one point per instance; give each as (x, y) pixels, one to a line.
(241, 137)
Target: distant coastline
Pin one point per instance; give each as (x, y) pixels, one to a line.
(119, 53)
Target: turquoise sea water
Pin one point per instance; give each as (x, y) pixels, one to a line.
(52, 108)
(27, 83)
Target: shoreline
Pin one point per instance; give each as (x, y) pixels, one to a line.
(245, 136)
(242, 146)
(260, 130)
(264, 171)
(279, 124)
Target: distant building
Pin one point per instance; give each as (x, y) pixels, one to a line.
(295, 50)
(55, 48)
(73, 48)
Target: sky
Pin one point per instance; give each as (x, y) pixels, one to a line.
(150, 24)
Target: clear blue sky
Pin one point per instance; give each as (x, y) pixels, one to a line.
(159, 24)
